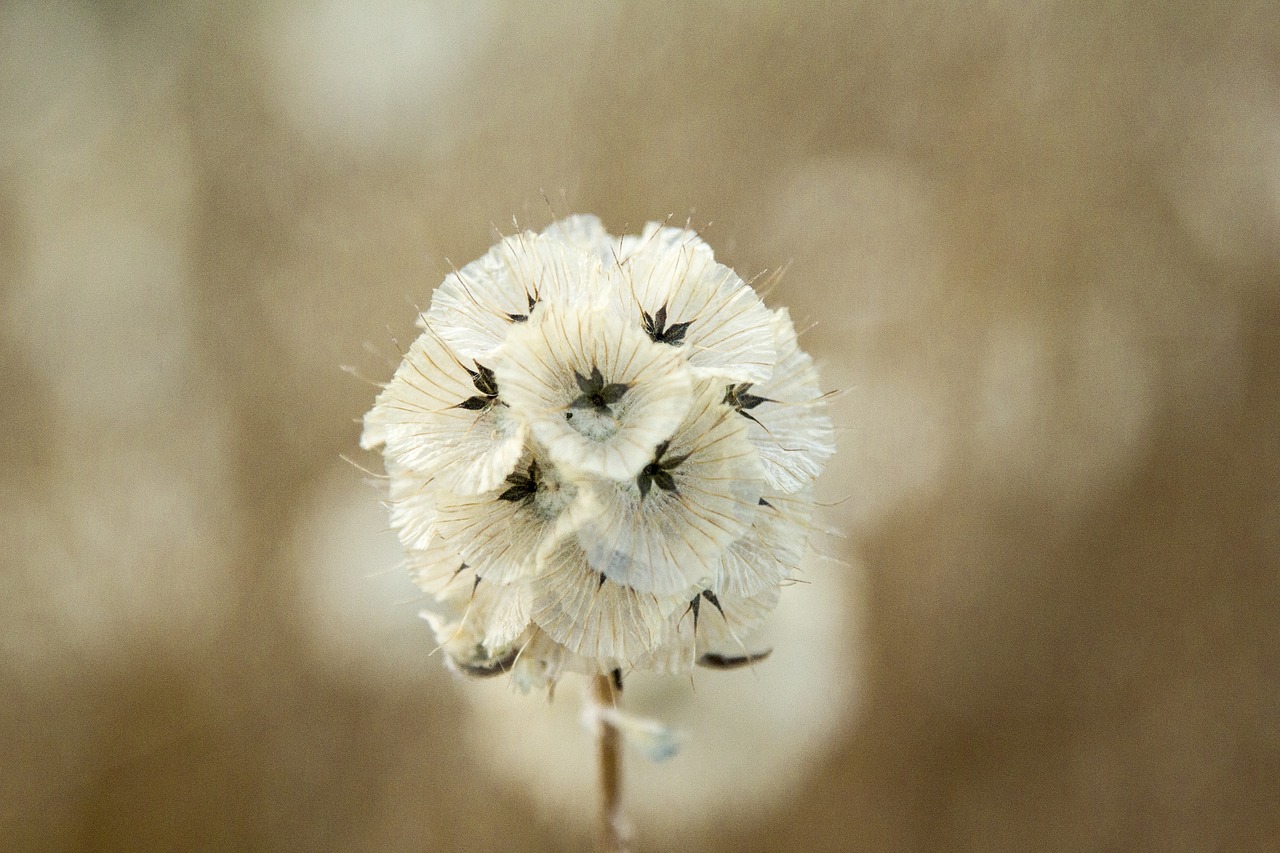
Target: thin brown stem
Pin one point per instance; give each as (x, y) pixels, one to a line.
(604, 696)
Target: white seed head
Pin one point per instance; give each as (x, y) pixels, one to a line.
(665, 530)
(597, 393)
(441, 417)
(669, 282)
(601, 454)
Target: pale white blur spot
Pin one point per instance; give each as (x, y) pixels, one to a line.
(877, 217)
(55, 85)
(1062, 415)
(748, 738)
(110, 293)
(1224, 177)
(357, 607)
(899, 438)
(118, 550)
(369, 73)
(863, 227)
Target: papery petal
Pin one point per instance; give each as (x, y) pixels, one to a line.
(490, 617)
(439, 570)
(769, 554)
(499, 535)
(728, 628)
(657, 239)
(541, 371)
(675, 655)
(541, 661)
(412, 507)
(477, 306)
(585, 232)
(725, 327)
(664, 541)
(465, 609)
(508, 613)
(435, 420)
(791, 428)
(596, 618)
(725, 627)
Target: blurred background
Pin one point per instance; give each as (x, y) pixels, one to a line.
(1038, 247)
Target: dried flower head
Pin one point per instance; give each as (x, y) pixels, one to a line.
(601, 453)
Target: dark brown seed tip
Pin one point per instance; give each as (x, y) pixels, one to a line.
(712, 660)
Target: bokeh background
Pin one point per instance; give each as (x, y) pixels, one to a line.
(1038, 247)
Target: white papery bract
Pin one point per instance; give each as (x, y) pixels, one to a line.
(601, 453)
(441, 416)
(586, 233)
(476, 306)
(668, 281)
(790, 426)
(592, 616)
(598, 394)
(768, 555)
(711, 624)
(667, 528)
(499, 532)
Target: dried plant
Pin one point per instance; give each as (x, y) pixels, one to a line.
(601, 454)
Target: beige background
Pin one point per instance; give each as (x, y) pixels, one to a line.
(1041, 246)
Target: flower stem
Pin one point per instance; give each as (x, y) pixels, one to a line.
(603, 697)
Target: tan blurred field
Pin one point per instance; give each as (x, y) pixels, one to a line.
(1038, 247)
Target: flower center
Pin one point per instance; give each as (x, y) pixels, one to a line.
(541, 492)
(591, 414)
(740, 397)
(655, 326)
(482, 377)
(658, 472)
